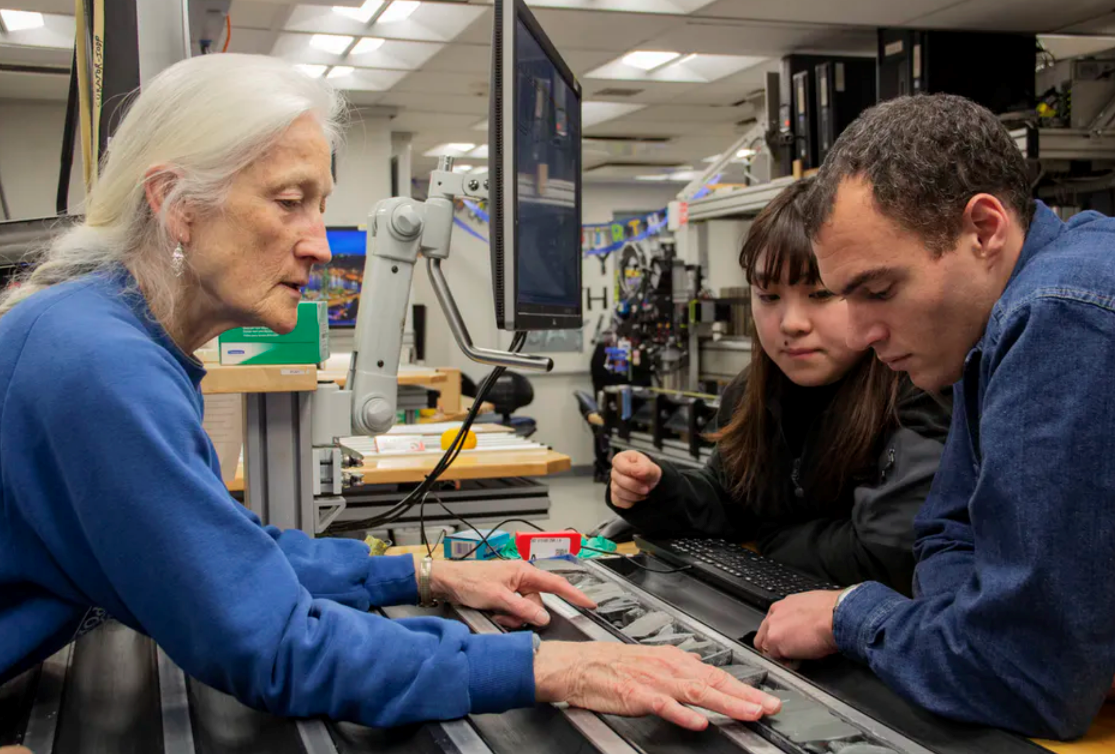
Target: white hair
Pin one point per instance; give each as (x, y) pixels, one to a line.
(206, 119)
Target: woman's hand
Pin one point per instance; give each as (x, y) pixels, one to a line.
(633, 680)
(510, 587)
(633, 477)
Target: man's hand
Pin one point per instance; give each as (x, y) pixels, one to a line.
(633, 477)
(510, 587)
(633, 680)
(799, 627)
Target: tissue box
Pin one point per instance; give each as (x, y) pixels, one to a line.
(307, 343)
(463, 544)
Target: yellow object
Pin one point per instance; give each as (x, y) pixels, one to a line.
(448, 435)
(378, 546)
(426, 413)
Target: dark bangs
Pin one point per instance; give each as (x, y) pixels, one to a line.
(779, 239)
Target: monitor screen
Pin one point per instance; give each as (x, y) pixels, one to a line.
(548, 162)
(535, 172)
(339, 281)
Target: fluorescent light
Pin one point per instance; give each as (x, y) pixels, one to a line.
(462, 168)
(684, 176)
(655, 177)
(340, 71)
(712, 158)
(461, 147)
(330, 43)
(366, 45)
(745, 154)
(363, 14)
(21, 20)
(687, 58)
(480, 152)
(313, 71)
(398, 10)
(648, 59)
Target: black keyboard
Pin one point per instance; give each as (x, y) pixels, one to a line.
(735, 569)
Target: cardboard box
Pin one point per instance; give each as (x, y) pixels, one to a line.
(469, 545)
(307, 343)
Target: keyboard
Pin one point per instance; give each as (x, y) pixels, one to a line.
(733, 568)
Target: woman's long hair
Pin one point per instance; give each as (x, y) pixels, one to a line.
(862, 410)
(206, 119)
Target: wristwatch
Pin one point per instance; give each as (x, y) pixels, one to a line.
(425, 594)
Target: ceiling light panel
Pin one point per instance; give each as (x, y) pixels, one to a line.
(398, 10)
(699, 69)
(21, 20)
(428, 22)
(648, 60)
(363, 14)
(23, 29)
(364, 79)
(311, 70)
(391, 54)
(452, 149)
(367, 45)
(332, 43)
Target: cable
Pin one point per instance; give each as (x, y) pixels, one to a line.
(228, 31)
(417, 495)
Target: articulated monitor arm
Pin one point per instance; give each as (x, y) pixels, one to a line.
(398, 230)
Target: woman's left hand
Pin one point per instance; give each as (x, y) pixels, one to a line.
(512, 588)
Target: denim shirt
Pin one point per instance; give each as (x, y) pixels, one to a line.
(1013, 620)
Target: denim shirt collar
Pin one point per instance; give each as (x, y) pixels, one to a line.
(1044, 228)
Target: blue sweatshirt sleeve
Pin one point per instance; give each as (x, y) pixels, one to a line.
(1024, 641)
(343, 571)
(125, 500)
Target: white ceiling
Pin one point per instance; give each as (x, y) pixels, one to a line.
(432, 69)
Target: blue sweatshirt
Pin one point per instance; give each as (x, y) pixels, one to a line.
(1013, 621)
(111, 501)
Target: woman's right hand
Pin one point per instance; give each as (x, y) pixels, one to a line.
(633, 680)
(633, 477)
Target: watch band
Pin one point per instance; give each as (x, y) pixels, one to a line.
(425, 592)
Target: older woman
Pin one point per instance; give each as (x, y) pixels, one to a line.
(207, 216)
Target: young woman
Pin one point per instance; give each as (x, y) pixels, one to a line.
(823, 454)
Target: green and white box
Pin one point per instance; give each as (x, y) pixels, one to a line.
(307, 343)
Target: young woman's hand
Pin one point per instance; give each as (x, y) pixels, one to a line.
(633, 477)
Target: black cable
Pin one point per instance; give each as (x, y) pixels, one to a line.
(417, 495)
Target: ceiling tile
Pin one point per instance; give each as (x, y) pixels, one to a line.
(441, 82)
(584, 30)
(462, 59)
(1016, 15)
(432, 22)
(761, 39)
(253, 41)
(252, 14)
(395, 54)
(697, 69)
(438, 103)
(844, 12)
(368, 79)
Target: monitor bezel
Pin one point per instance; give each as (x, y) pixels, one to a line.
(504, 159)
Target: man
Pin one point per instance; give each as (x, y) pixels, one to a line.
(922, 218)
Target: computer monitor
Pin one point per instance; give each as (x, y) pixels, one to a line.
(339, 282)
(535, 177)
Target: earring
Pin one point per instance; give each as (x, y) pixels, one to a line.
(178, 260)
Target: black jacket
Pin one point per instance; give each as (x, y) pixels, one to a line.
(866, 534)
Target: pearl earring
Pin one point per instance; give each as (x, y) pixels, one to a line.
(178, 260)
